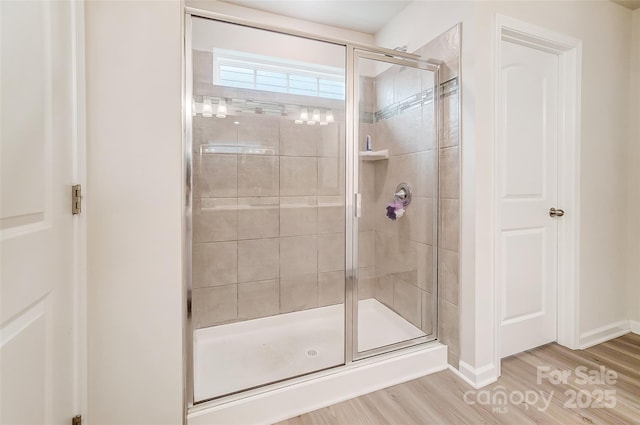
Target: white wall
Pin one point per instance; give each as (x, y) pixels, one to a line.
(633, 159)
(604, 29)
(266, 18)
(134, 212)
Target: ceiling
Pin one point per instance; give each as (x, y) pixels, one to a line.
(366, 16)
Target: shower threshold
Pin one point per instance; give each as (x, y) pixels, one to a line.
(242, 355)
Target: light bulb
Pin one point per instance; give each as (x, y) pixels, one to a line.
(222, 109)
(207, 108)
(316, 115)
(329, 115)
(304, 114)
(299, 122)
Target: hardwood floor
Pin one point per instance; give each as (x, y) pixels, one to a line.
(440, 398)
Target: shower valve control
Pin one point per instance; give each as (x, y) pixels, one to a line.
(553, 212)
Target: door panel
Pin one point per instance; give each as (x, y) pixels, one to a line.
(36, 318)
(527, 178)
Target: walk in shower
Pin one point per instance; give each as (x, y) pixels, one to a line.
(312, 205)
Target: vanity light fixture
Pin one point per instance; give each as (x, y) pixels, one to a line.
(222, 108)
(207, 108)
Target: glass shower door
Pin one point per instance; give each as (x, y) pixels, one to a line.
(267, 252)
(395, 138)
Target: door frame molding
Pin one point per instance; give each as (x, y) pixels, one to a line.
(79, 175)
(569, 51)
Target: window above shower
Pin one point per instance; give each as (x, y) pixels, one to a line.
(250, 71)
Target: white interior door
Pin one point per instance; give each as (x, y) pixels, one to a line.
(527, 244)
(37, 325)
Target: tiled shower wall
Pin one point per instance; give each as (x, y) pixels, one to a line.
(268, 229)
(404, 249)
(446, 48)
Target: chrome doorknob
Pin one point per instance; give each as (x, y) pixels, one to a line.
(556, 212)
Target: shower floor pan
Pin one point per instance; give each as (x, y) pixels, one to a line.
(242, 355)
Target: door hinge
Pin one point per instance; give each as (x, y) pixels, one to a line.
(76, 420)
(76, 199)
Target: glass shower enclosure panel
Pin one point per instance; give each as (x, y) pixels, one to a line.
(266, 147)
(395, 139)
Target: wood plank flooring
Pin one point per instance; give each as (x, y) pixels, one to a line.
(440, 398)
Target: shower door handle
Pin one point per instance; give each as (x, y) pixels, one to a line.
(358, 204)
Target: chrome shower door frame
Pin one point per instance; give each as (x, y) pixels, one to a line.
(354, 51)
(353, 190)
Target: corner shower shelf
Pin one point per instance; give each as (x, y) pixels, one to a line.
(374, 155)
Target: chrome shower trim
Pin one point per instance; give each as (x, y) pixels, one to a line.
(187, 237)
(289, 31)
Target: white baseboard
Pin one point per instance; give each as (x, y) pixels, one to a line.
(634, 326)
(476, 377)
(604, 333)
(348, 382)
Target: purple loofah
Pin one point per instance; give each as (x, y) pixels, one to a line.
(391, 212)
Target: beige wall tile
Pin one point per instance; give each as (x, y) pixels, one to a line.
(298, 139)
(394, 254)
(404, 132)
(202, 66)
(398, 169)
(366, 283)
(450, 224)
(450, 173)
(331, 288)
(213, 306)
(331, 214)
(383, 290)
(298, 176)
(298, 216)
(367, 186)
(425, 267)
(258, 217)
(407, 301)
(213, 131)
(215, 264)
(426, 175)
(448, 325)
(383, 87)
(259, 130)
(408, 82)
(258, 259)
(450, 121)
(216, 176)
(448, 272)
(330, 176)
(366, 248)
(298, 293)
(367, 93)
(258, 175)
(258, 299)
(330, 144)
(215, 219)
(331, 252)
(428, 140)
(418, 222)
(429, 312)
(298, 256)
